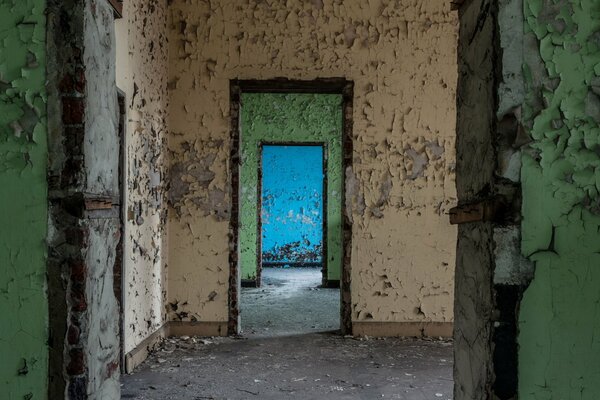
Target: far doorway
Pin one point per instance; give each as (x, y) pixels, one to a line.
(292, 235)
(292, 231)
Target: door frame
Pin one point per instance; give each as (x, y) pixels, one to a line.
(283, 85)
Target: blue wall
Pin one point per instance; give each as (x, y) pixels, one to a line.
(292, 203)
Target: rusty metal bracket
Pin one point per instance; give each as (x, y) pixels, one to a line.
(485, 210)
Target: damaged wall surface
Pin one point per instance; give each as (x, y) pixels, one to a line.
(292, 205)
(297, 118)
(84, 196)
(402, 58)
(23, 200)
(474, 305)
(559, 323)
(142, 76)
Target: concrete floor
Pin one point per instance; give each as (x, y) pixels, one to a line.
(288, 355)
(289, 301)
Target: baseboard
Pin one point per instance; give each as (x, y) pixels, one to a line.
(402, 329)
(331, 284)
(139, 354)
(199, 328)
(171, 328)
(249, 283)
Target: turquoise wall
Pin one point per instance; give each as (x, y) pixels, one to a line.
(23, 200)
(286, 118)
(559, 323)
(292, 204)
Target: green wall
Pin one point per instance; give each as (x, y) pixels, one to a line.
(290, 118)
(23, 200)
(559, 356)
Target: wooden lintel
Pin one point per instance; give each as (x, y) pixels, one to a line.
(117, 5)
(98, 204)
(486, 210)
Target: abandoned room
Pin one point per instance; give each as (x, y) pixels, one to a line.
(300, 199)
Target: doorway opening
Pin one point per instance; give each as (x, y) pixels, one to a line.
(272, 120)
(293, 233)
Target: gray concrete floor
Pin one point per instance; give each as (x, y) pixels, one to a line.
(293, 355)
(289, 301)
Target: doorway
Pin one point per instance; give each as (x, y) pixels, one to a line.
(267, 115)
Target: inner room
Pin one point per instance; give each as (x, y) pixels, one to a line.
(292, 294)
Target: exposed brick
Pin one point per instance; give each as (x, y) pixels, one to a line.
(78, 301)
(76, 362)
(78, 271)
(73, 110)
(73, 335)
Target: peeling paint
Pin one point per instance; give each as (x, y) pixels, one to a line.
(561, 201)
(290, 118)
(401, 56)
(23, 200)
(141, 43)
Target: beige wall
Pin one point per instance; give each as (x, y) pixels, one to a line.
(142, 75)
(402, 59)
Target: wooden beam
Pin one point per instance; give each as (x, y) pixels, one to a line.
(486, 210)
(99, 203)
(117, 5)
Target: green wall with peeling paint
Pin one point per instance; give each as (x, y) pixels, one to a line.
(559, 322)
(298, 118)
(23, 200)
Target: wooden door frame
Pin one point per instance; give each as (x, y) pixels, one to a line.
(282, 85)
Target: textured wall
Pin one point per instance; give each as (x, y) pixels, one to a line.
(401, 56)
(290, 118)
(559, 323)
(474, 304)
(142, 75)
(83, 182)
(292, 204)
(23, 200)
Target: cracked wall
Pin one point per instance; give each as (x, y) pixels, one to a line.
(401, 56)
(473, 306)
(271, 117)
(84, 196)
(23, 200)
(142, 76)
(558, 323)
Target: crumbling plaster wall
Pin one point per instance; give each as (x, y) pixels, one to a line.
(142, 76)
(298, 117)
(401, 56)
(23, 200)
(83, 184)
(559, 323)
(473, 307)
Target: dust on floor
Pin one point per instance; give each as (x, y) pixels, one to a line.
(290, 350)
(310, 366)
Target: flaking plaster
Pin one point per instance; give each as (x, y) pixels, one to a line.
(402, 58)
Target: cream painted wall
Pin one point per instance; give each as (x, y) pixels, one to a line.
(401, 56)
(142, 75)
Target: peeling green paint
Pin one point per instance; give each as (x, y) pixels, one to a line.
(290, 118)
(23, 200)
(560, 313)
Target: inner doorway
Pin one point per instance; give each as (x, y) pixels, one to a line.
(298, 117)
(292, 232)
